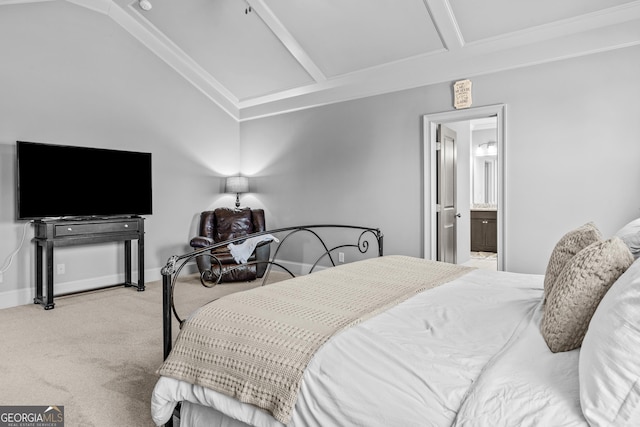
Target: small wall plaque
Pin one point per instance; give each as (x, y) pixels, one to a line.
(462, 94)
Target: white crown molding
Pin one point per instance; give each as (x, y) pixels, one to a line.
(564, 27)
(609, 29)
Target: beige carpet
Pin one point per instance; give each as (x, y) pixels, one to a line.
(95, 353)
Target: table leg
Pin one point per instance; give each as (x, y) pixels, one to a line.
(38, 298)
(127, 263)
(141, 263)
(49, 299)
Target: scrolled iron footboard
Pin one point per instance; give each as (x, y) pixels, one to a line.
(176, 263)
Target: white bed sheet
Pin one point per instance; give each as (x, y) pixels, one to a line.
(525, 385)
(412, 365)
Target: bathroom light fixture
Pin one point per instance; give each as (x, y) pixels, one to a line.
(489, 148)
(237, 184)
(145, 4)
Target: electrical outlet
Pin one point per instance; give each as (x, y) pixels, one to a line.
(60, 268)
(1, 278)
(340, 256)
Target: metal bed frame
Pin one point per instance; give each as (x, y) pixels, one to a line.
(175, 264)
(171, 271)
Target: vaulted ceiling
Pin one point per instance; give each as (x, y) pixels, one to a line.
(261, 57)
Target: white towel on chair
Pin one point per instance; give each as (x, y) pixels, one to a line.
(242, 251)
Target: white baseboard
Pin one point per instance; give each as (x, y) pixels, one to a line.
(19, 297)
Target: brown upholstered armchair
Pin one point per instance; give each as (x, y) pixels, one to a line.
(224, 224)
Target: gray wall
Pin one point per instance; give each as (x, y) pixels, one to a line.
(573, 143)
(72, 76)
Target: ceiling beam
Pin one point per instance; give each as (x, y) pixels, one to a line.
(445, 23)
(271, 20)
(474, 60)
(611, 28)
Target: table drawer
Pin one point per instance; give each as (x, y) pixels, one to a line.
(75, 229)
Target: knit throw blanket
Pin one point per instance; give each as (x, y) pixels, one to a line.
(255, 345)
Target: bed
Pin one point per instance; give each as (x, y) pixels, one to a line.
(394, 340)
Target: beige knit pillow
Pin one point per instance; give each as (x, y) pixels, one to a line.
(578, 290)
(566, 248)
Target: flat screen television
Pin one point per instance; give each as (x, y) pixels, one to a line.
(65, 181)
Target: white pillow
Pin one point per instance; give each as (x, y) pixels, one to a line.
(566, 248)
(630, 234)
(609, 367)
(578, 290)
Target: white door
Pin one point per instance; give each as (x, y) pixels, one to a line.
(446, 214)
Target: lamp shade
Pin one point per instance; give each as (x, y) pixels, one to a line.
(237, 184)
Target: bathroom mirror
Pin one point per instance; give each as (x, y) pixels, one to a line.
(484, 169)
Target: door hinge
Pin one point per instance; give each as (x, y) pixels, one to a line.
(438, 146)
(438, 208)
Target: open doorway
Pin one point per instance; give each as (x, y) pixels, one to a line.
(483, 157)
(480, 187)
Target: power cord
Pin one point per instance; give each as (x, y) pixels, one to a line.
(13, 254)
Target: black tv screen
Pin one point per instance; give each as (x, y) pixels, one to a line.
(64, 181)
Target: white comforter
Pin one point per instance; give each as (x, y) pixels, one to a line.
(468, 353)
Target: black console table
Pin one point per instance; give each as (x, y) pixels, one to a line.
(55, 233)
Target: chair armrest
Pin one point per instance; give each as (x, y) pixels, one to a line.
(201, 242)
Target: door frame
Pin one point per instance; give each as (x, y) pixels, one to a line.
(430, 122)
